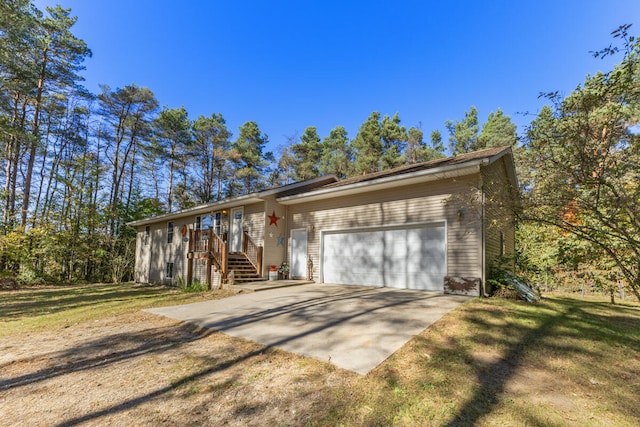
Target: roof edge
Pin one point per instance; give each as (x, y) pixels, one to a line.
(254, 197)
(466, 168)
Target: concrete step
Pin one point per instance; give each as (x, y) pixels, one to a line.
(240, 280)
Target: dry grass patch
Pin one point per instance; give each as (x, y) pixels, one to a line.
(489, 362)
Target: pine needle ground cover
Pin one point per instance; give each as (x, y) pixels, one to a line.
(89, 355)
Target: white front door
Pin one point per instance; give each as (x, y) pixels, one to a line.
(235, 244)
(299, 253)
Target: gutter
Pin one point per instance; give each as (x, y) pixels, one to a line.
(202, 209)
(231, 203)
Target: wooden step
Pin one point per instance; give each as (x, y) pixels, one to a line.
(243, 270)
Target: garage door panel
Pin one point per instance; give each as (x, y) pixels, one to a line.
(407, 258)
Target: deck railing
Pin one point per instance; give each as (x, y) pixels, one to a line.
(208, 241)
(198, 240)
(208, 244)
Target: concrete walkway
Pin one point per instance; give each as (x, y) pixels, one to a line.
(353, 327)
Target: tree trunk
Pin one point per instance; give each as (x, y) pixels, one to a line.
(170, 189)
(13, 161)
(8, 152)
(131, 176)
(36, 139)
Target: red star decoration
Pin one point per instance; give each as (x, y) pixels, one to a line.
(273, 218)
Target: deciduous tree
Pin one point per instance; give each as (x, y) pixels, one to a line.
(585, 156)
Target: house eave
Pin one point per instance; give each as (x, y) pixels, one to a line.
(445, 172)
(202, 209)
(233, 202)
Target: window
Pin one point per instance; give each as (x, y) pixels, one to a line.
(206, 222)
(147, 234)
(170, 232)
(169, 272)
(198, 223)
(217, 223)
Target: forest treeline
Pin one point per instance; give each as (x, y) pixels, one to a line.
(76, 166)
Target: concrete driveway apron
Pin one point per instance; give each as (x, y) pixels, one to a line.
(353, 327)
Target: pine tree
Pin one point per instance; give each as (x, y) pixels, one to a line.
(394, 138)
(127, 115)
(306, 155)
(252, 164)
(418, 151)
(368, 145)
(337, 155)
(463, 135)
(498, 131)
(213, 154)
(173, 130)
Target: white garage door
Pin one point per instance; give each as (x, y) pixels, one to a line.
(406, 258)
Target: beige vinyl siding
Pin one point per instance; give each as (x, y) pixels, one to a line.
(143, 256)
(162, 252)
(274, 254)
(499, 217)
(254, 222)
(158, 253)
(419, 203)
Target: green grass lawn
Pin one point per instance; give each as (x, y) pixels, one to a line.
(564, 361)
(53, 307)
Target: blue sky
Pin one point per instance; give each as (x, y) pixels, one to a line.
(292, 64)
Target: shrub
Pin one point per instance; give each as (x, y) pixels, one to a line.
(28, 277)
(195, 286)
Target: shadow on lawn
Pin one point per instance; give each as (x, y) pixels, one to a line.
(520, 331)
(425, 383)
(143, 343)
(32, 303)
(554, 323)
(109, 350)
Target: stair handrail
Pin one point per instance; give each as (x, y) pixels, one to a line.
(253, 252)
(217, 248)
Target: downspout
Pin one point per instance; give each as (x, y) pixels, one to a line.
(483, 238)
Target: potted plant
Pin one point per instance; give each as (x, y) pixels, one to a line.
(283, 270)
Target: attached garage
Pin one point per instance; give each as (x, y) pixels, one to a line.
(403, 257)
